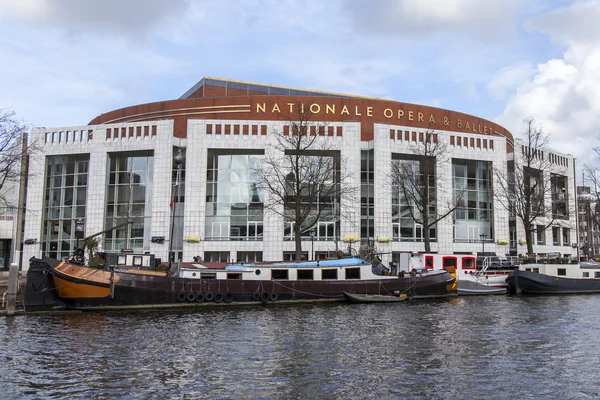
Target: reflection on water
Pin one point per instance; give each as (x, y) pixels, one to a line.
(480, 347)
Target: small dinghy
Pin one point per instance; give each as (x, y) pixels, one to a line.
(374, 298)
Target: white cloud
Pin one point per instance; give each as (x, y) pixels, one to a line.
(563, 95)
(130, 18)
(416, 19)
(577, 23)
(508, 78)
(50, 82)
(470, 91)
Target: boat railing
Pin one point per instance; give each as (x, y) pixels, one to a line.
(485, 264)
(497, 262)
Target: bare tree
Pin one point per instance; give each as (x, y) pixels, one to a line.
(413, 182)
(592, 195)
(303, 177)
(13, 150)
(529, 182)
(588, 199)
(592, 175)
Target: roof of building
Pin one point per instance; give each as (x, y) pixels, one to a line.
(254, 87)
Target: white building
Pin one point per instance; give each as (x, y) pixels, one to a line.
(121, 167)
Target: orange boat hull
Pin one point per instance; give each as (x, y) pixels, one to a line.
(71, 290)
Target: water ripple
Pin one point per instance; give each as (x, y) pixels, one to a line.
(477, 348)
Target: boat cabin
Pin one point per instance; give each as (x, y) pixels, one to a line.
(130, 260)
(431, 261)
(339, 269)
(584, 270)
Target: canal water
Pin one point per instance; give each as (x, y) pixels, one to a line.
(467, 348)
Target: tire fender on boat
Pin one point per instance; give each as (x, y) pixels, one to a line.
(228, 297)
(191, 297)
(181, 296)
(273, 296)
(199, 297)
(256, 296)
(218, 297)
(209, 296)
(264, 296)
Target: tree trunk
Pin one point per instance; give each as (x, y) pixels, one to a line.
(298, 226)
(425, 225)
(298, 239)
(528, 239)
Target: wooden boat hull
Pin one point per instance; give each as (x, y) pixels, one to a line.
(374, 298)
(528, 282)
(85, 288)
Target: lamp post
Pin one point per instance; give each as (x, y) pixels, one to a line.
(79, 228)
(178, 160)
(483, 236)
(312, 244)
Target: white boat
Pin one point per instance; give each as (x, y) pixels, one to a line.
(487, 278)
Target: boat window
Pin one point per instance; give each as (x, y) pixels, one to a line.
(208, 275)
(448, 262)
(562, 272)
(279, 274)
(468, 263)
(236, 275)
(586, 274)
(353, 273)
(137, 260)
(307, 274)
(329, 273)
(429, 262)
(597, 274)
(121, 260)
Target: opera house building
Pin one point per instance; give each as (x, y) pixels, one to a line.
(183, 172)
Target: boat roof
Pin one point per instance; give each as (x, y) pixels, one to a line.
(341, 262)
(589, 265)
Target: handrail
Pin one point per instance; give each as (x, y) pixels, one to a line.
(485, 265)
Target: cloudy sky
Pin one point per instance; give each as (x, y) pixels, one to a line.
(66, 61)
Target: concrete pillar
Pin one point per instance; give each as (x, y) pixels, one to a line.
(13, 286)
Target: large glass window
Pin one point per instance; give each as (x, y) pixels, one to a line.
(540, 235)
(177, 203)
(367, 196)
(559, 196)
(534, 178)
(566, 236)
(556, 236)
(320, 197)
(249, 256)
(234, 204)
(472, 190)
(216, 256)
(129, 198)
(65, 203)
(406, 212)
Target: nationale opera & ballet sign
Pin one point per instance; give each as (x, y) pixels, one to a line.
(440, 119)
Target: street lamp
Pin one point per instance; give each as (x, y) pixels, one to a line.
(312, 244)
(79, 229)
(178, 160)
(483, 236)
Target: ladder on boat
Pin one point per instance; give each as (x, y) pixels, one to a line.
(485, 264)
